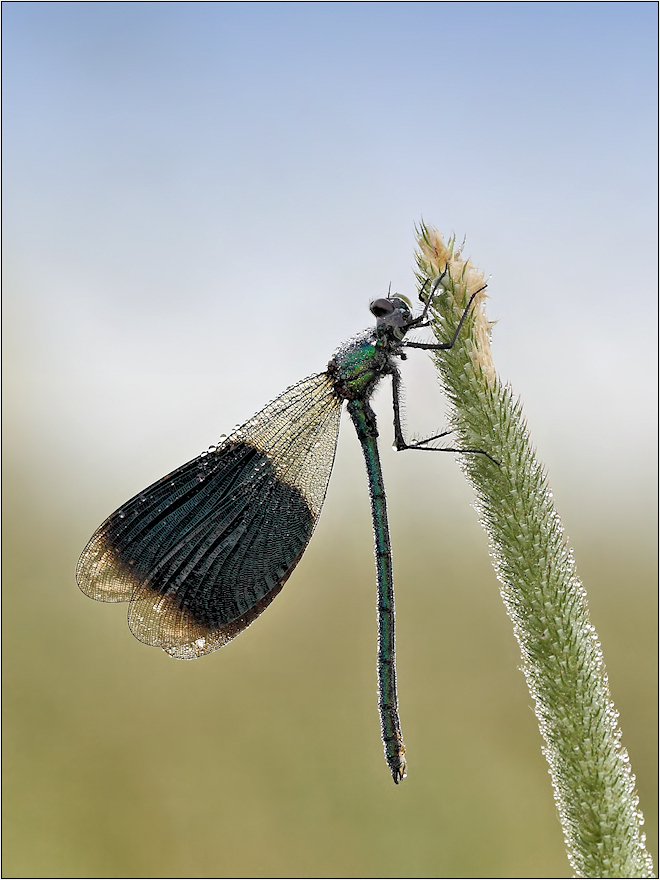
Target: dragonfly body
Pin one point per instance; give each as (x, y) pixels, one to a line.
(356, 370)
(201, 553)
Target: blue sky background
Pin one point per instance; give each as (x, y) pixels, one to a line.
(192, 190)
(201, 199)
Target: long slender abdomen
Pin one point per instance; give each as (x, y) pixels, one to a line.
(365, 424)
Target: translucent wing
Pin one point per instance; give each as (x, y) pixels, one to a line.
(202, 552)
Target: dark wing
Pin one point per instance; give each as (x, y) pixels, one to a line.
(202, 552)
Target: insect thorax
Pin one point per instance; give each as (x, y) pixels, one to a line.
(360, 364)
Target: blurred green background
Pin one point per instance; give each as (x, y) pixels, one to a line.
(200, 202)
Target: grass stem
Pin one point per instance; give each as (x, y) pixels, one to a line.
(562, 660)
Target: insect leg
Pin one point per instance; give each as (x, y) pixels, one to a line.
(400, 441)
(442, 346)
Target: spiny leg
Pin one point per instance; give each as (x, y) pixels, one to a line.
(421, 320)
(400, 441)
(440, 346)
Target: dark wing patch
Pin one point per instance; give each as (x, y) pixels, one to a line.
(202, 552)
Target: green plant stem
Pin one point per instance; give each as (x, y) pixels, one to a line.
(593, 784)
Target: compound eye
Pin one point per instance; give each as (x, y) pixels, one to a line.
(381, 307)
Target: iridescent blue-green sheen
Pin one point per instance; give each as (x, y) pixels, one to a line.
(387, 699)
(356, 370)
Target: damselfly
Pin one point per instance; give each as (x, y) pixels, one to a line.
(202, 552)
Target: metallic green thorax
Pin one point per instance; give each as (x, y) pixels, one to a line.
(361, 363)
(355, 371)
